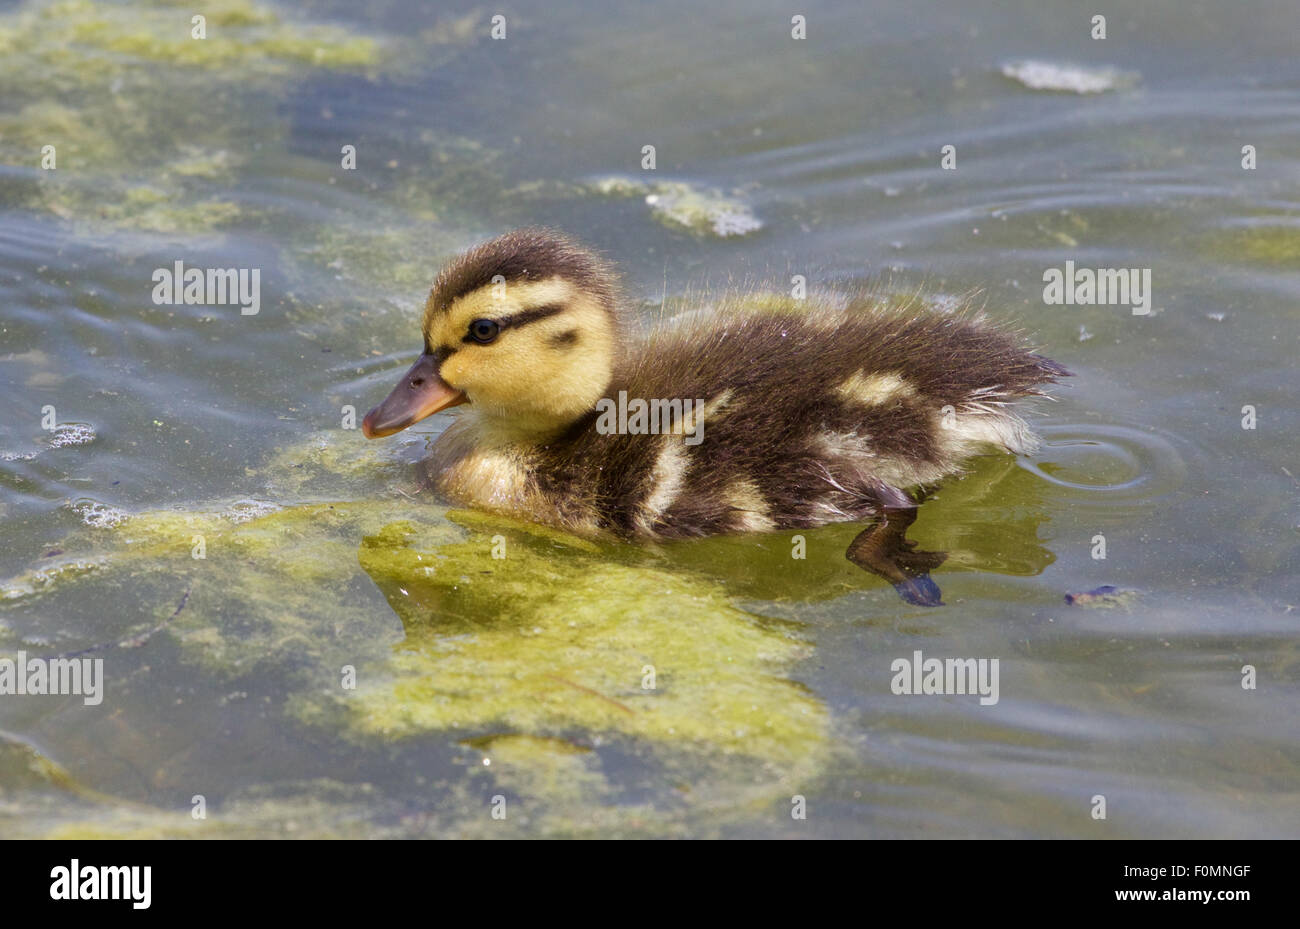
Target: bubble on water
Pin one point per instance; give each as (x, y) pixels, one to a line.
(243, 511)
(99, 515)
(1068, 78)
(72, 434)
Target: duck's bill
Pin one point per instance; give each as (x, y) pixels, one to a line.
(420, 393)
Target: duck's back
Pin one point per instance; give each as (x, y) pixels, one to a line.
(790, 417)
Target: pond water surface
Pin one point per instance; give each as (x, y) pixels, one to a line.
(189, 430)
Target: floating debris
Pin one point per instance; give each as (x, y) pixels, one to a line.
(1103, 597)
(678, 204)
(1068, 78)
(701, 212)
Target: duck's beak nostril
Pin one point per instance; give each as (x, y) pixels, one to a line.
(422, 392)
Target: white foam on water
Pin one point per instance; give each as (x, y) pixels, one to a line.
(72, 434)
(1068, 78)
(98, 515)
(243, 511)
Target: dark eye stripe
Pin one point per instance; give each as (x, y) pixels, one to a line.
(532, 315)
(440, 354)
(525, 317)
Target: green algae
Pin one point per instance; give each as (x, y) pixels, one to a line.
(393, 251)
(37, 580)
(685, 206)
(415, 216)
(335, 464)
(151, 131)
(535, 663)
(318, 809)
(80, 40)
(680, 205)
(23, 767)
(544, 663)
(564, 646)
(1265, 244)
(144, 119)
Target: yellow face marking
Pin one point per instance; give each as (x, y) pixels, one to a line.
(875, 389)
(493, 301)
(535, 377)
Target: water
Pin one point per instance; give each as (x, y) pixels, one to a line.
(196, 429)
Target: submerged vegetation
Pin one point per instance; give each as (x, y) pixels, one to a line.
(532, 664)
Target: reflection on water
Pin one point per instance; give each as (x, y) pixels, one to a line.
(186, 427)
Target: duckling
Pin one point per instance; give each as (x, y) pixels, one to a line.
(732, 419)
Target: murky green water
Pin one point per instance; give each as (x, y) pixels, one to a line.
(187, 426)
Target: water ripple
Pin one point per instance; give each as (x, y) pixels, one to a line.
(1108, 464)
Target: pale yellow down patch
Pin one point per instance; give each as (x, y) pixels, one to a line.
(674, 461)
(852, 451)
(875, 389)
(699, 415)
(477, 474)
(964, 433)
(667, 478)
(750, 509)
(473, 469)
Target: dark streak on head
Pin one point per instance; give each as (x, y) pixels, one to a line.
(531, 315)
(566, 339)
(524, 256)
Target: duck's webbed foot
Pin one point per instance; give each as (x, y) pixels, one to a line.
(882, 549)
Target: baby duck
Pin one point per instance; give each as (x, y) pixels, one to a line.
(732, 419)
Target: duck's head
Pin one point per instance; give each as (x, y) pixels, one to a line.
(524, 327)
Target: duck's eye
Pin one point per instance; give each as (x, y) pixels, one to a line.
(484, 331)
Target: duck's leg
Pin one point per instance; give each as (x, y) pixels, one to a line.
(883, 549)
